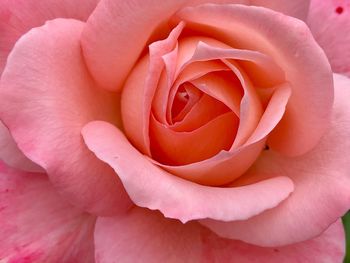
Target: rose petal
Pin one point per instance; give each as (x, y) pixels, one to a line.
(296, 8)
(329, 21)
(297, 53)
(180, 148)
(140, 89)
(56, 97)
(322, 186)
(11, 155)
(152, 187)
(111, 46)
(37, 225)
(19, 16)
(206, 109)
(146, 236)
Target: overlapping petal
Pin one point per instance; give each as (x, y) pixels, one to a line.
(37, 225)
(297, 53)
(145, 236)
(46, 97)
(322, 186)
(152, 187)
(11, 155)
(19, 16)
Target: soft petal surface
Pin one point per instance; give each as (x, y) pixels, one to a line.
(146, 236)
(154, 188)
(11, 155)
(296, 8)
(56, 97)
(297, 53)
(37, 225)
(322, 186)
(111, 46)
(19, 16)
(329, 21)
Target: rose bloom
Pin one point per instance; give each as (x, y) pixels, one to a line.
(174, 131)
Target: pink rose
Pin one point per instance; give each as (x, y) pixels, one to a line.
(223, 115)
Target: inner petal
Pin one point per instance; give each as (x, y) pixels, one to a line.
(178, 148)
(206, 109)
(186, 97)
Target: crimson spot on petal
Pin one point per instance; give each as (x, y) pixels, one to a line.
(339, 10)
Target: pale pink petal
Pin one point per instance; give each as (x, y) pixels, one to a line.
(11, 155)
(329, 21)
(296, 8)
(46, 98)
(37, 225)
(19, 16)
(118, 31)
(322, 186)
(297, 53)
(146, 236)
(149, 186)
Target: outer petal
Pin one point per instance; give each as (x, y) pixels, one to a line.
(56, 97)
(296, 53)
(37, 225)
(145, 236)
(322, 186)
(11, 155)
(152, 187)
(111, 45)
(296, 8)
(329, 21)
(19, 16)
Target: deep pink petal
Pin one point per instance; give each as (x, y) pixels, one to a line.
(37, 225)
(152, 187)
(46, 98)
(329, 21)
(11, 155)
(297, 53)
(296, 8)
(112, 46)
(19, 16)
(322, 186)
(146, 236)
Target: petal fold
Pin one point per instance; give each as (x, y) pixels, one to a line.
(322, 186)
(37, 225)
(146, 236)
(296, 53)
(56, 97)
(19, 16)
(151, 187)
(11, 155)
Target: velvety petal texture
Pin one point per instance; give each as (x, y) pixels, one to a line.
(146, 236)
(296, 8)
(37, 225)
(154, 188)
(56, 97)
(111, 46)
(322, 186)
(329, 21)
(11, 155)
(298, 55)
(19, 16)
